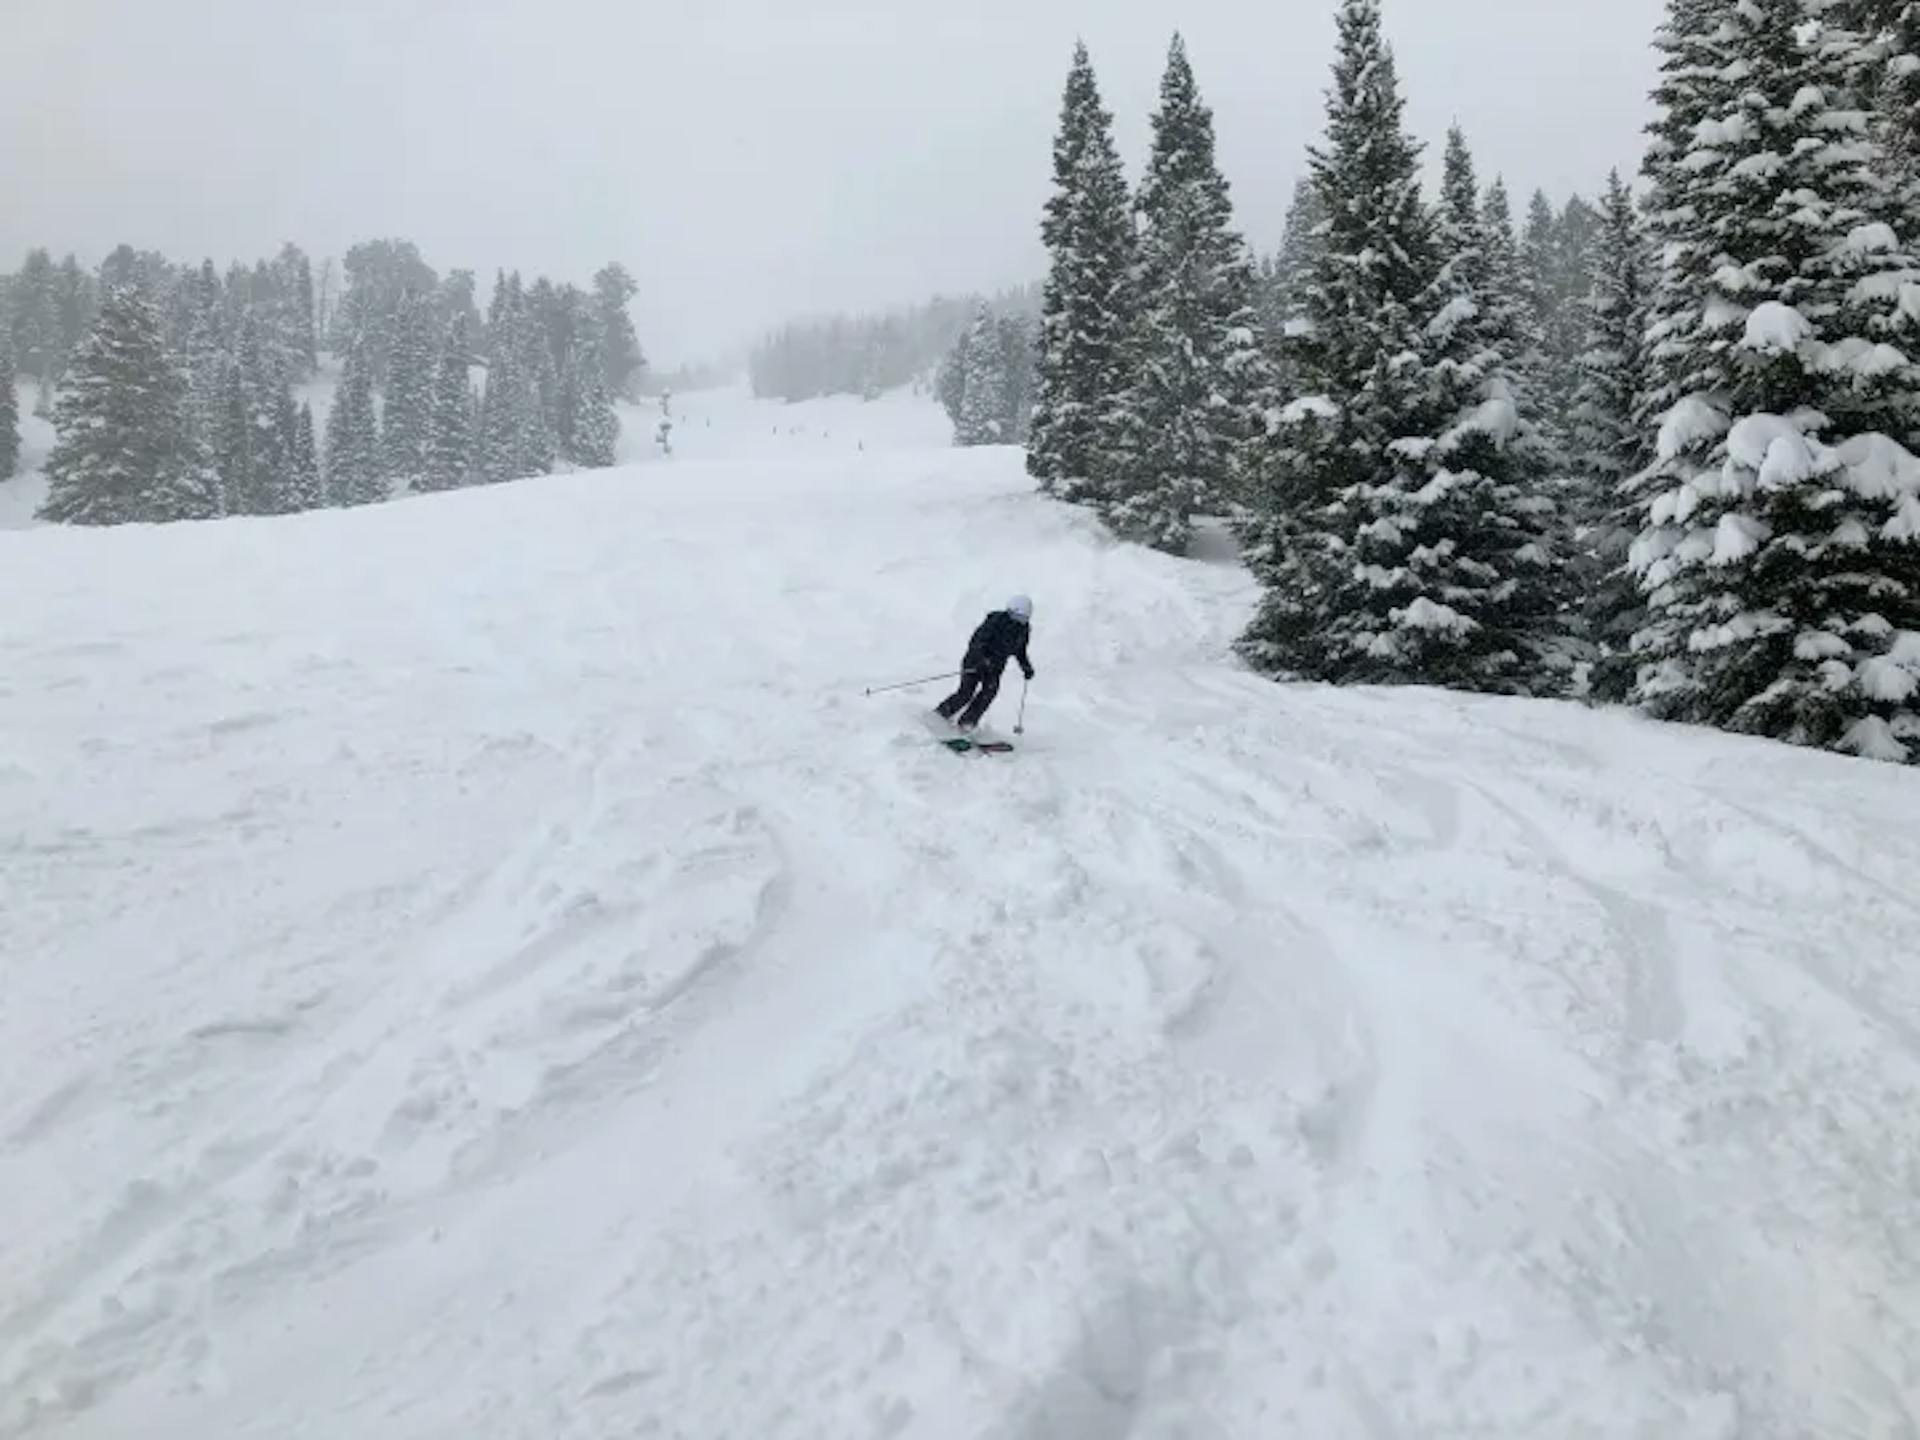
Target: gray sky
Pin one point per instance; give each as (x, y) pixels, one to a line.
(748, 159)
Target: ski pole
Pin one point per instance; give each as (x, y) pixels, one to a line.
(1020, 725)
(909, 684)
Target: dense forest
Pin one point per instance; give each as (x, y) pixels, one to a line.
(1653, 447)
(172, 387)
(871, 354)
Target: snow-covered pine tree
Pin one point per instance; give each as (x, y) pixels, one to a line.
(76, 299)
(623, 363)
(380, 273)
(547, 338)
(539, 449)
(498, 440)
(1360, 378)
(1084, 321)
(532, 388)
(35, 322)
(457, 307)
(1455, 549)
(304, 490)
(241, 490)
(593, 426)
(950, 381)
(1300, 243)
(1199, 386)
(1889, 50)
(1514, 307)
(293, 312)
(1782, 553)
(1576, 231)
(1609, 442)
(9, 408)
(407, 416)
(1555, 321)
(1696, 89)
(355, 475)
(1017, 358)
(127, 452)
(1284, 282)
(251, 447)
(207, 349)
(983, 402)
(450, 455)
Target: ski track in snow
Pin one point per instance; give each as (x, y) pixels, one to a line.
(480, 967)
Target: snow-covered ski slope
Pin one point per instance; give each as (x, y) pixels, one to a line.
(480, 967)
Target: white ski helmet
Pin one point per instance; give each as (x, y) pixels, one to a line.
(1020, 607)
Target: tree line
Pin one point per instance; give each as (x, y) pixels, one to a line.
(1657, 449)
(868, 355)
(172, 388)
(985, 382)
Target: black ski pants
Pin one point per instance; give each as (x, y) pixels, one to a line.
(976, 693)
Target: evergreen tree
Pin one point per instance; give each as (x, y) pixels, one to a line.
(304, 490)
(1284, 280)
(1361, 312)
(1400, 530)
(9, 408)
(546, 339)
(1513, 307)
(380, 275)
(449, 458)
(1782, 552)
(206, 347)
(983, 402)
(252, 444)
(622, 361)
(1695, 91)
(142, 270)
(950, 381)
(458, 309)
(1016, 337)
(1609, 441)
(1553, 259)
(1457, 548)
(1887, 47)
(407, 418)
(76, 300)
(242, 491)
(293, 312)
(1088, 230)
(1199, 386)
(126, 451)
(355, 475)
(538, 447)
(498, 443)
(593, 428)
(35, 319)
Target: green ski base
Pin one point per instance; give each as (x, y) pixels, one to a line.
(960, 745)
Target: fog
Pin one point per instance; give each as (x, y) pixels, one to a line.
(747, 159)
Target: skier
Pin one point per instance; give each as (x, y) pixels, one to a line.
(1001, 637)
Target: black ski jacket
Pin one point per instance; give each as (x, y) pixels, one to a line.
(999, 639)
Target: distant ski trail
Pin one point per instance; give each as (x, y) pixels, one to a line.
(481, 966)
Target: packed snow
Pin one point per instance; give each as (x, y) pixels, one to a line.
(482, 966)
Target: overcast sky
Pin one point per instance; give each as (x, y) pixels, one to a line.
(748, 159)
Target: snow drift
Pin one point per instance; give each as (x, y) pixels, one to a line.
(480, 967)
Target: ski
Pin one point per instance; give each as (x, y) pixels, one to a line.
(960, 745)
